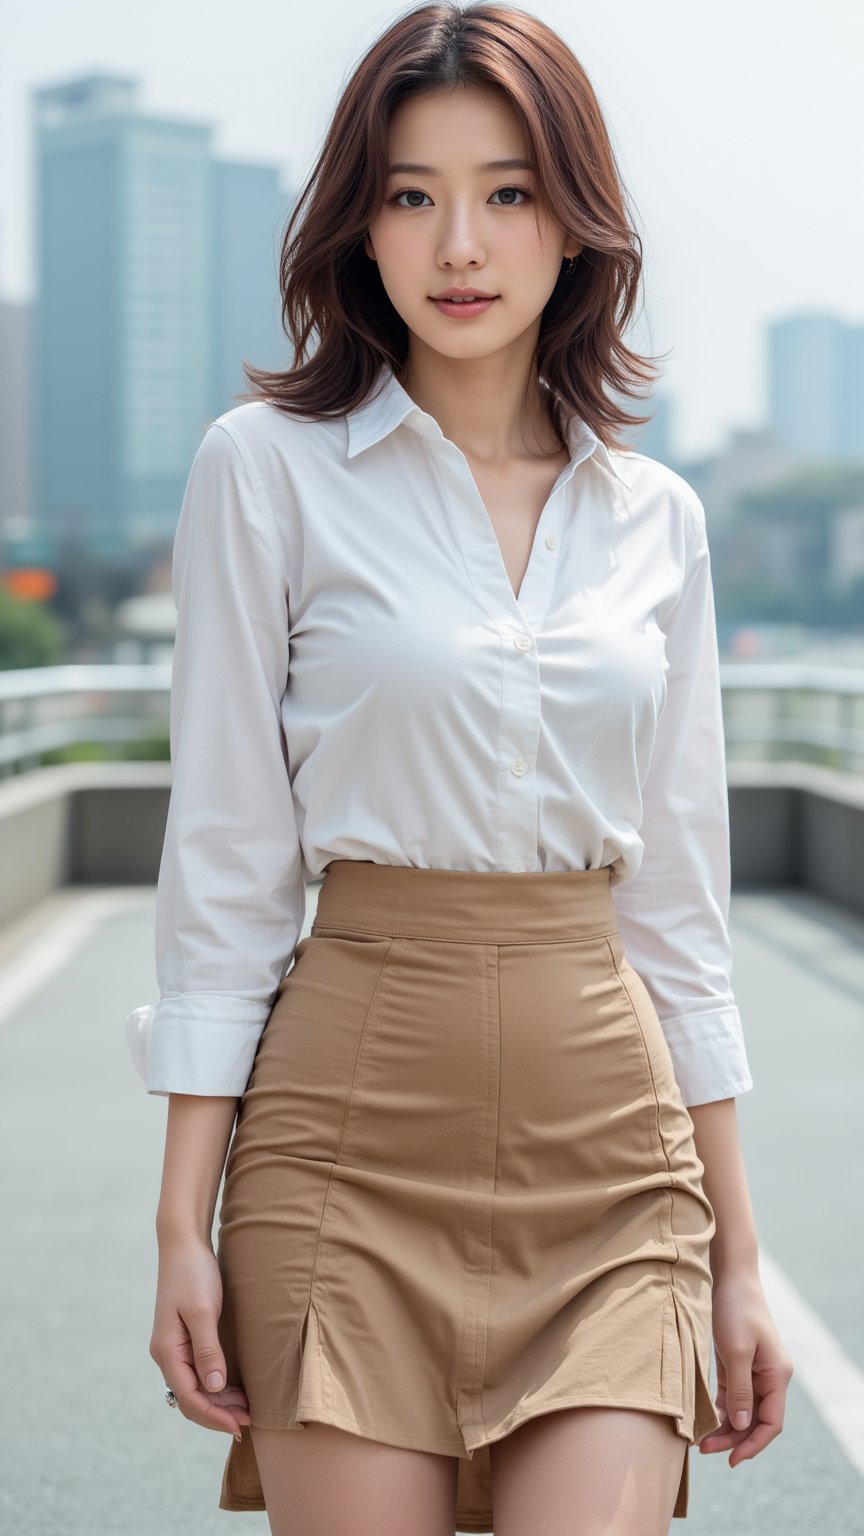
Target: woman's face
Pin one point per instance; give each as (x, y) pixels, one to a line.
(454, 225)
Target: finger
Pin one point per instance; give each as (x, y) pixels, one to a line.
(201, 1408)
(767, 1425)
(739, 1386)
(197, 1405)
(206, 1349)
(721, 1438)
(230, 1397)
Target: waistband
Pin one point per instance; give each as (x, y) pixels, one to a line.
(467, 906)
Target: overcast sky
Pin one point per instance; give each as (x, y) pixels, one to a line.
(737, 127)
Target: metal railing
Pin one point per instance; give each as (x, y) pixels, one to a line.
(794, 712)
(43, 709)
(773, 711)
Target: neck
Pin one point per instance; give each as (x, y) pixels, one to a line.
(495, 415)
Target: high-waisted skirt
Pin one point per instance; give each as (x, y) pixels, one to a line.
(463, 1188)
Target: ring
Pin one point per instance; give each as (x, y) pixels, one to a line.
(170, 1398)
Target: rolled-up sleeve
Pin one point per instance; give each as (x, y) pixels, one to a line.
(230, 898)
(673, 914)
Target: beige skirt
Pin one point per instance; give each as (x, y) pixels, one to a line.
(463, 1188)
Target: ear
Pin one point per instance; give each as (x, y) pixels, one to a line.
(367, 246)
(571, 251)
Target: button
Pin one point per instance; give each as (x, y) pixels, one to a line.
(551, 541)
(519, 767)
(522, 642)
(517, 864)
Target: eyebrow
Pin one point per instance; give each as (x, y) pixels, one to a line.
(479, 170)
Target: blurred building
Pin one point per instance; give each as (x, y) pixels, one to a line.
(15, 389)
(248, 217)
(156, 276)
(751, 456)
(846, 554)
(816, 386)
(653, 437)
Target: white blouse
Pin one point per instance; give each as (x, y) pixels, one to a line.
(354, 678)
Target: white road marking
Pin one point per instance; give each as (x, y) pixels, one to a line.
(44, 941)
(830, 1377)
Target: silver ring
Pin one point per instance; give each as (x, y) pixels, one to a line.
(170, 1398)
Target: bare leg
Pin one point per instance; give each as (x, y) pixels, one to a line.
(595, 1471)
(324, 1481)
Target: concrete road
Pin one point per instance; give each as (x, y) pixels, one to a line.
(88, 1444)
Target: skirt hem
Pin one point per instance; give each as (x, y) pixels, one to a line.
(238, 1502)
(690, 1407)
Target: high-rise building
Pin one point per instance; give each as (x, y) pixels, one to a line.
(852, 394)
(249, 215)
(816, 386)
(654, 437)
(15, 352)
(156, 274)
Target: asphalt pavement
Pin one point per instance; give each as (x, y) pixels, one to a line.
(88, 1444)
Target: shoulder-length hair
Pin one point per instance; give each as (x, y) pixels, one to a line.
(332, 291)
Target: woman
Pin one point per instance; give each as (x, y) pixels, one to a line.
(446, 644)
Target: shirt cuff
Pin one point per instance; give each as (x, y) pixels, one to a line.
(709, 1054)
(200, 1042)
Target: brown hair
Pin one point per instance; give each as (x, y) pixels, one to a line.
(329, 285)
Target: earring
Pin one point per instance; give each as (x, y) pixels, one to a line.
(571, 265)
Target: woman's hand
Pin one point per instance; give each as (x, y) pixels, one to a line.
(185, 1339)
(753, 1369)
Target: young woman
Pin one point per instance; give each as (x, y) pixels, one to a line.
(446, 644)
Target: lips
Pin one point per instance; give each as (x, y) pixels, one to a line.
(455, 296)
(464, 309)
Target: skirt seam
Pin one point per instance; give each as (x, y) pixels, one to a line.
(334, 1185)
(356, 1075)
(491, 937)
(329, 1195)
(646, 1055)
(474, 1232)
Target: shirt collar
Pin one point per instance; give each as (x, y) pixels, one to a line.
(389, 404)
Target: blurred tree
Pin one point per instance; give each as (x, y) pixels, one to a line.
(30, 635)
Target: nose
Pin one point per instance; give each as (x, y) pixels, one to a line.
(460, 245)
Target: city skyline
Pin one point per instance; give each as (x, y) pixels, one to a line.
(722, 261)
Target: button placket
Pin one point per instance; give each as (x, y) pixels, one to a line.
(519, 739)
(519, 622)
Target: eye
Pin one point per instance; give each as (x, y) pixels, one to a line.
(415, 192)
(523, 190)
(408, 192)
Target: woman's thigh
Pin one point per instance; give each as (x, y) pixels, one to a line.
(325, 1481)
(588, 1472)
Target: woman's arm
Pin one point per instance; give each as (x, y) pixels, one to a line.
(230, 897)
(753, 1367)
(673, 918)
(230, 894)
(196, 1144)
(185, 1338)
(673, 914)
(734, 1247)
